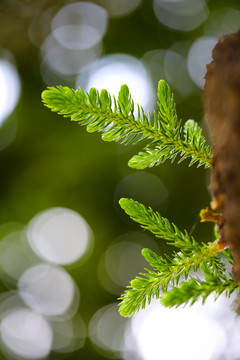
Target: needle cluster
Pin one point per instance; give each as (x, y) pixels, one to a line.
(197, 269)
(166, 135)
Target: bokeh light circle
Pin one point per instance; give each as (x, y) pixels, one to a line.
(10, 88)
(59, 235)
(183, 15)
(143, 187)
(80, 26)
(123, 260)
(175, 333)
(47, 289)
(222, 21)
(171, 65)
(14, 257)
(106, 329)
(112, 71)
(74, 42)
(26, 334)
(200, 54)
(69, 335)
(65, 62)
(77, 37)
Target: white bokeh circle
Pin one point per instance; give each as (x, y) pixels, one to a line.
(26, 333)
(112, 71)
(59, 235)
(47, 289)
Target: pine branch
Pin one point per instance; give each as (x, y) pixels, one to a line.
(184, 261)
(192, 290)
(115, 118)
(168, 139)
(140, 292)
(100, 113)
(166, 270)
(193, 256)
(159, 226)
(188, 143)
(155, 283)
(228, 256)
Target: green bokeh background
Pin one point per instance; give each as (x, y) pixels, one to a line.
(53, 162)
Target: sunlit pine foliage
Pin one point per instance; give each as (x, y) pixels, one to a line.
(173, 279)
(168, 271)
(166, 135)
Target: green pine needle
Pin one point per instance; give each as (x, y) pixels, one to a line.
(159, 226)
(154, 284)
(191, 291)
(116, 120)
(193, 256)
(168, 139)
(187, 143)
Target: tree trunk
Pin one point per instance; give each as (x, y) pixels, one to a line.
(222, 109)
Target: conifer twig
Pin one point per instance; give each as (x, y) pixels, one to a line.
(116, 120)
(166, 270)
(154, 284)
(192, 290)
(167, 138)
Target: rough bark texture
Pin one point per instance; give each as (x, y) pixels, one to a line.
(222, 109)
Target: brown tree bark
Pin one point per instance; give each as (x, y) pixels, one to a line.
(222, 109)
